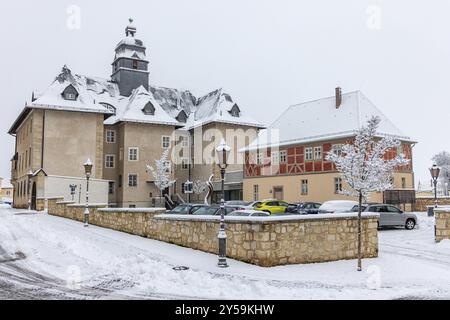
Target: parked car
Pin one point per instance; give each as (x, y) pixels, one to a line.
(271, 206)
(391, 216)
(237, 203)
(186, 208)
(304, 208)
(338, 206)
(213, 210)
(248, 213)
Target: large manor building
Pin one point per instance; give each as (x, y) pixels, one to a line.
(122, 124)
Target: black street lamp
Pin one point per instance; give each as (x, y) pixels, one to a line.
(223, 152)
(435, 170)
(87, 170)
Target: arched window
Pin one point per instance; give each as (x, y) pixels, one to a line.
(149, 109)
(108, 106)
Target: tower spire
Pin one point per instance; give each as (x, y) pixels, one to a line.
(130, 29)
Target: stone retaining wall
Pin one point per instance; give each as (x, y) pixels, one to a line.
(423, 202)
(264, 241)
(273, 241)
(40, 204)
(442, 218)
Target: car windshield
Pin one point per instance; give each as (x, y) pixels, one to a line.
(181, 210)
(356, 208)
(237, 203)
(239, 214)
(208, 211)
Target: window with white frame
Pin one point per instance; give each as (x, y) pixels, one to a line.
(317, 153)
(337, 185)
(70, 96)
(308, 154)
(336, 149)
(110, 136)
(165, 142)
(255, 192)
(275, 158)
(304, 187)
(259, 157)
(132, 180)
(283, 156)
(133, 154)
(185, 141)
(109, 161)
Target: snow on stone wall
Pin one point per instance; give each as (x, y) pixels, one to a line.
(261, 242)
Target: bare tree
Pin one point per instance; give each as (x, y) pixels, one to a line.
(364, 168)
(162, 172)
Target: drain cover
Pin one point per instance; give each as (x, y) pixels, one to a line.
(181, 268)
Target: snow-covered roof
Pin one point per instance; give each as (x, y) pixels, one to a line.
(216, 106)
(103, 96)
(321, 120)
(5, 184)
(132, 112)
(89, 92)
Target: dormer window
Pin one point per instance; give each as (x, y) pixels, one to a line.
(182, 117)
(149, 109)
(70, 93)
(235, 111)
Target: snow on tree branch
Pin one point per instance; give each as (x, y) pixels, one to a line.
(362, 163)
(199, 187)
(162, 172)
(442, 160)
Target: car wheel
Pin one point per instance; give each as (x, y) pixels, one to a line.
(410, 224)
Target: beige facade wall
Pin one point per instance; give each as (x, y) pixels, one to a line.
(58, 142)
(112, 149)
(24, 143)
(148, 139)
(70, 138)
(264, 242)
(205, 140)
(320, 187)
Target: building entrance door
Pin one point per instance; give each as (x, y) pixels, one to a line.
(278, 193)
(33, 196)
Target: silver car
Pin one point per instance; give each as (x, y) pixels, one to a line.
(391, 216)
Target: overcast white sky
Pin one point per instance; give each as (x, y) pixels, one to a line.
(267, 54)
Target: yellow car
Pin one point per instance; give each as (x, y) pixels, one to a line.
(271, 206)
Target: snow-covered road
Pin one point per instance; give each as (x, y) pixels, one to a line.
(46, 257)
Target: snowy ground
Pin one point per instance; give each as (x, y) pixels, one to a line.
(46, 257)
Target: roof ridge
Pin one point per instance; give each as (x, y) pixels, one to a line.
(324, 98)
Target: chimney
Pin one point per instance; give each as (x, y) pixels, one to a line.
(338, 97)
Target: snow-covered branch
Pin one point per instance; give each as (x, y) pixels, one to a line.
(162, 172)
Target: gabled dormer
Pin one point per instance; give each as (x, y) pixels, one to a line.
(182, 117)
(235, 111)
(70, 93)
(149, 109)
